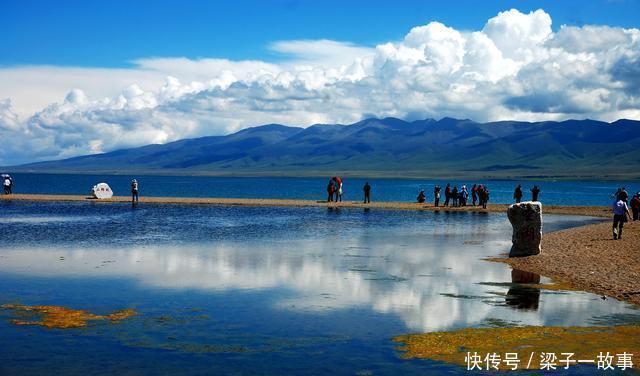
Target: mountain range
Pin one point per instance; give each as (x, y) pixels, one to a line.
(387, 147)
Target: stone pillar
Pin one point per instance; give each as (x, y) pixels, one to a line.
(526, 219)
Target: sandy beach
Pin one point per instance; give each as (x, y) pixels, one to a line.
(587, 258)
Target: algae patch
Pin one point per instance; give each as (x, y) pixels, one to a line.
(62, 317)
(583, 342)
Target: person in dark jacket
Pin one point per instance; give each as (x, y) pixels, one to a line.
(635, 206)
(517, 194)
(535, 192)
(454, 196)
(447, 194)
(134, 191)
(330, 190)
(436, 196)
(367, 193)
(421, 197)
(474, 194)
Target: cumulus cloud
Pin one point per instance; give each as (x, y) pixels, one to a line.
(516, 67)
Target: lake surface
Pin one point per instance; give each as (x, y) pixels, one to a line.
(553, 192)
(250, 290)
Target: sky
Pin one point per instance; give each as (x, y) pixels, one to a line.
(80, 77)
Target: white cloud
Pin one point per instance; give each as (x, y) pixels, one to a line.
(516, 67)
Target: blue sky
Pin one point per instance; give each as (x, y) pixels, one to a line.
(113, 33)
(81, 77)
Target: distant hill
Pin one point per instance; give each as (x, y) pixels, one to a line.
(388, 147)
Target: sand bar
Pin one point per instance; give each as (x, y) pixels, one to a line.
(595, 211)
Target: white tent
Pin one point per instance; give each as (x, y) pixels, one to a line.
(101, 190)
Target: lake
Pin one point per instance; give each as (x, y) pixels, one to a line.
(252, 290)
(553, 192)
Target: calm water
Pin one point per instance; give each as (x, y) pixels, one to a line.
(553, 192)
(245, 290)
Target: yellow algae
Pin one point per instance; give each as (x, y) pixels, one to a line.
(64, 318)
(585, 343)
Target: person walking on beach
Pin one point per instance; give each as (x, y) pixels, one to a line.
(330, 189)
(620, 213)
(367, 193)
(436, 196)
(535, 192)
(635, 206)
(454, 196)
(474, 194)
(7, 185)
(483, 195)
(517, 194)
(447, 194)
(134, 191)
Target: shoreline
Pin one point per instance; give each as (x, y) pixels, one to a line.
(590, 211)
(588, 259)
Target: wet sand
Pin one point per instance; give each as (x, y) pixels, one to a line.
(587, 258)
(595, 211)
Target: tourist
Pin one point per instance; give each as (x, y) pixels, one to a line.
(7, 185)
(622, 194)
(436, 195)
(330, 189)
(483, 195)
(463, 195)
(134, 191)
(620, 213)
(517, 194)
(635, 206)
(421, 197)
(447, 194)
(535, 192)
(367, 193)
(454, 196)
(474, 194)
(339, 191)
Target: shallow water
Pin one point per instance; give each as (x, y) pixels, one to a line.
(587, 192)
(262, 290)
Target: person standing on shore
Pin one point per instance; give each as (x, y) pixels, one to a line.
(330, 189)
(620, 213)
(134, 191)
(622, 194)
(436, 196)
(7, 185)
(447, 194)
(535, 192)
(517, 194)
(367, 193)
(454, 196)
(339, 192)
(474, 194)
(463, 195)
(635, 206)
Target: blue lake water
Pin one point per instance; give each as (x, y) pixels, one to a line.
(553, 192)
(250, 290)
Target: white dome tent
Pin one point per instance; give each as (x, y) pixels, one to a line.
(101, 191)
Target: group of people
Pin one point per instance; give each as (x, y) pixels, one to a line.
(459, 197)
(7, 182)
(621, 210)
(535, 193)
(334, 189)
